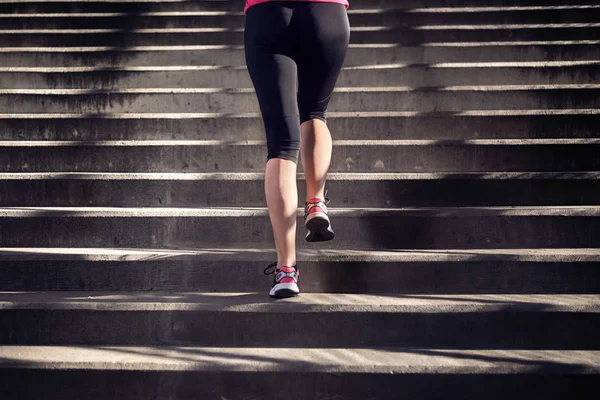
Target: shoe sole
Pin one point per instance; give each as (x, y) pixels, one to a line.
(284, 290)
(319, 228)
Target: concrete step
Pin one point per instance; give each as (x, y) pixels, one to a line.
(411, 272)
(398, 228)
(233, 5)
(450, 99)
(358, 17)
(438, 75)
(501, 155)
(221, 189)
(358, 54)
(465, 125)
(217, 19)
(136, 6)
(416, 35)
(310, 320)
(109, 372)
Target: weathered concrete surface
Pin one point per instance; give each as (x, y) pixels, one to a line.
(388, 360)
(189, 372)
(203, 5)
(422, 228)
(472, 271)
(191, 385)
(237, 77)
(373, 156)
(358, 16)
(234, 55)
(311, 320)
(307, 303)
(126, 36)
(345, 189)
(493, 124)
(198, 255)
(212, 373)
(243, 100)
(224, 19)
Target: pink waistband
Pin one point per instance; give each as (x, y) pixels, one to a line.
(250, 3)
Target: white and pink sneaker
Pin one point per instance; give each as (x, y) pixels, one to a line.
(317, 222)
(285, 283)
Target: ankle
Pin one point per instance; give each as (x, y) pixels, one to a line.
(279, 268)
(314, 200)
(318, 196)
(289, 264)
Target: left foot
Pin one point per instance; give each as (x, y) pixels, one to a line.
(285, 283)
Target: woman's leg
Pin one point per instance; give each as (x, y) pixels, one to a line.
(320, 57)
(282, 202)
(274, 75)
(315, 153)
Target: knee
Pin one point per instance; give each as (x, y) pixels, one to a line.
(286, 149)
(283, 137)
(320, 115)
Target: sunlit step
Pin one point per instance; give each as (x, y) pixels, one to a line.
(195, 76)
(145, 372)
(427, 35)
(359, 17)
(222, 189)
(474, 321)
(462, 125)
(347, 270)
(208, 156)
(332, 360)
(358, 55)
(377, 228)
(453, 99)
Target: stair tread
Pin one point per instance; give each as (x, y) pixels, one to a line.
(307, 302)
(352, 89)
(415, 27)
(341, 114)
(337, 360)
(350, 142)
(21, 212)
(330, 255)
(373, 45)
(227, 68)
(428, 10)
(184, 47)
(334, 176)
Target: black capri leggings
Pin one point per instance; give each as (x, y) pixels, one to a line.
(294, 52)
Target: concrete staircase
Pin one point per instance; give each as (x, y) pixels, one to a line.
(464, 188)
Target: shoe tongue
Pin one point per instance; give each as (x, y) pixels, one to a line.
(313, 201)
(287, 269)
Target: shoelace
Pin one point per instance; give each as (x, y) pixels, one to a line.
(274, 266)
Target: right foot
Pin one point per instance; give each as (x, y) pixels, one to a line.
(317, 222)
(285, 283)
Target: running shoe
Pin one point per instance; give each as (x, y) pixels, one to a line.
(316, 221)
(285, 283)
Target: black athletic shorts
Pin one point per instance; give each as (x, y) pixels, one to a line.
(294, 52)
